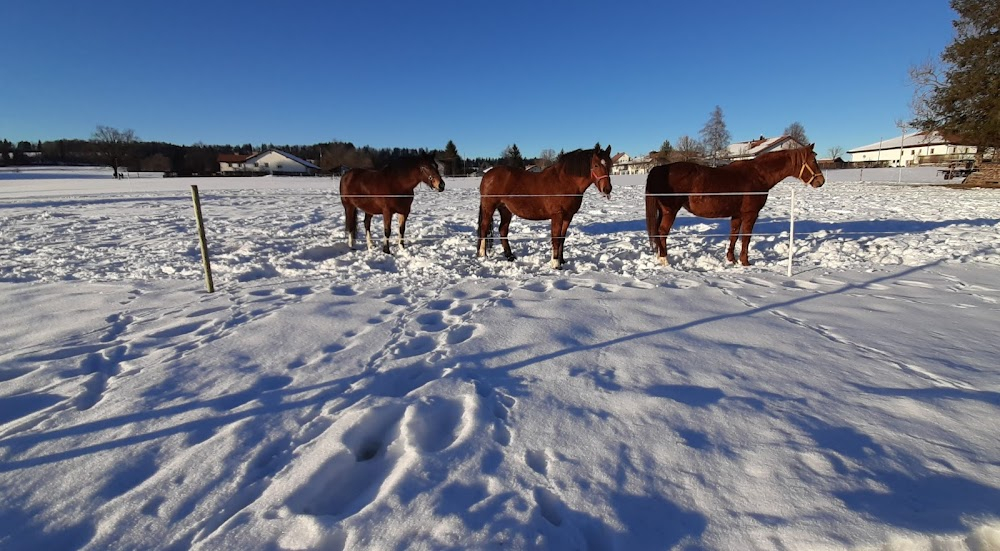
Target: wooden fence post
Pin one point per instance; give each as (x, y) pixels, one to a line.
(201, 240)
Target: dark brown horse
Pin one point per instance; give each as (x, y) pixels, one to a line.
(386, 191)
(555, 193)
(718, 193)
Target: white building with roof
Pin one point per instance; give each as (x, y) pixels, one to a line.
(623, 163)
(272, 161)
(744, 151)
(919, 148)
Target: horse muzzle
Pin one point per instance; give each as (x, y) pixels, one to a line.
(439, 186)
(604, 189)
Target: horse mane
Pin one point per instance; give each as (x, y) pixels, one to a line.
(773, 160)
(577, 162)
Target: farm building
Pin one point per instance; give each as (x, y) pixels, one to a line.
(744, 151)
(919, 148)
(271, 161)
(623, 163)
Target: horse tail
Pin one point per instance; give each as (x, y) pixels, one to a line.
(653, 213)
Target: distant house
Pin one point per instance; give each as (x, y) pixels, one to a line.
(623, 163)
(271, 161)
(744, 151)
(919, 148)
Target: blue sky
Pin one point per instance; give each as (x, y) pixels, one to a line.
(547, 74)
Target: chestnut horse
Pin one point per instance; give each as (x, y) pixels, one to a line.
(555, 193)
(717, 193)
(386, 191)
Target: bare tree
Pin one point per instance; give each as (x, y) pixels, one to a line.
(547, 158)
(689, 149)
(113, 145)
(835, 151)
(715, 137)
(797, 132)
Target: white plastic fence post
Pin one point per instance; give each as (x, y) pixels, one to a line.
(791, 233)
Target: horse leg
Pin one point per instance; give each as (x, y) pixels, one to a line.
(350, 224)
(666, 222)
(734, 232)
(557, 242)
(565, 232)
(402, 229)
(368, 231)
(505, 217)
(387, 223)
(748, 223)
(485, 233)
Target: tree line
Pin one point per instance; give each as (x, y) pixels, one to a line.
(122, 149)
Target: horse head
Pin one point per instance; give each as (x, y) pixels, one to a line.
(600, 170)
(810, 172)
(429, 173)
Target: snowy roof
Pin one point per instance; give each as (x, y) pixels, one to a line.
(917, 139)
(290, 157)
(232, 158)
(758, 146)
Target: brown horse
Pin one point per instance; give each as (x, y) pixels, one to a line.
(386, 191)
(717, 193)
(555, 193)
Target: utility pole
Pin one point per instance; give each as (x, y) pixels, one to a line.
(902, 138)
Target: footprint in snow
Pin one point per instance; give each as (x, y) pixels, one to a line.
(349, 480)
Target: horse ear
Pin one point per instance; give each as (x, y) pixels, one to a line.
(609, 150)
(597, 146)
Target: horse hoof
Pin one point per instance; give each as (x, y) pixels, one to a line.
(663, 261)
(509, 257)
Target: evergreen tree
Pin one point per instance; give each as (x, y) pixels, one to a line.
(959, 98)
(451, 160)
(715, 137)
(512, 157)
(662, 156)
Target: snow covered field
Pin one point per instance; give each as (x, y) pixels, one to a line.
(324, 398)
